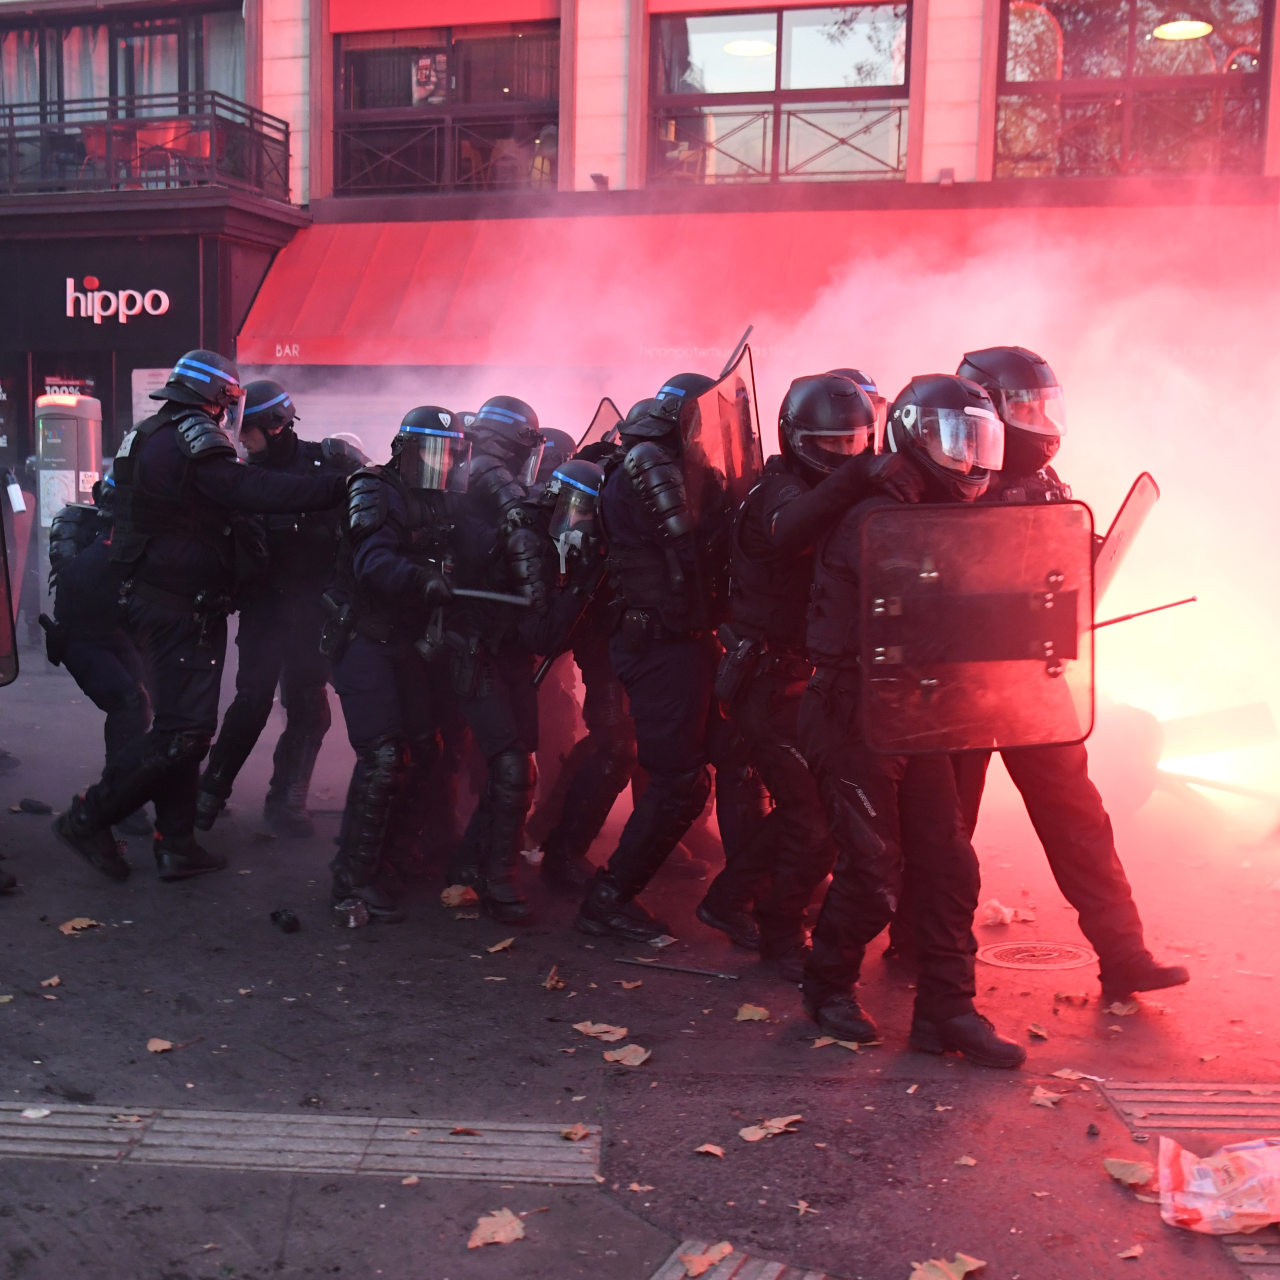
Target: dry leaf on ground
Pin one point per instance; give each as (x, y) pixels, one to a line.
(552, 982)
(967, 1160)
(1208, 1057)
(459, 895)
(601, 1031)
(769, 1128)
(6, 999)
(1038, 1031)
(1077, 999)
(500, 1227)
(629, 986)
(751, 1013)
(709, 1149)
(1068, 1073)
(504, 945)
(36, 1113)
(1043, 1098)
(802, 1207)
(156, 1045)
(941, 1269)
(635, 1186)
(1133, 1251)
(1133, 1173)
(78, 925)
(55, 981)
(461, 1131)
(630, 1056)
(411, 1181)
(128, 1119)
(822, 1041)
(1123, 1008)
(575, 1132)
(695, 1264)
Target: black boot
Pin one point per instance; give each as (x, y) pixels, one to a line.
(208, 806)
(363, 890)
(570, 874)
(373, 903)
(786, 959)
(841, 1016)
(180, 858)
(94, 843)
(138, 823)
(605, 912)
(241, 726)
(1141, 973)
(734, 923)
(285, 811)
(969, 1034)
(512, 778)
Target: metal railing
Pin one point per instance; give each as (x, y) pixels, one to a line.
(143, 142)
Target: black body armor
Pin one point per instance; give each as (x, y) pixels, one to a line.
(1041, 486)
(74, 528)
(834, 635)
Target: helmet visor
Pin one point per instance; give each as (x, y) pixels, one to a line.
(434, 459)
(1042, 410)
(826, 450)
(529, 471)
(962, 439)
(575, 506)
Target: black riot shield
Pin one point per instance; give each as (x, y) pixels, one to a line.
(721, 438)
(604, 426)
(8, 633)
(1133, 513)
(977, 627)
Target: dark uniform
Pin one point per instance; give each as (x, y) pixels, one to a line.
(281, 618)
(180, 488)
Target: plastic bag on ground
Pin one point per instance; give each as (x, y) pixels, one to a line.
(1235, 1189)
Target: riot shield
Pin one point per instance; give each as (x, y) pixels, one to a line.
(1132, 515)
(977, 627)
(8, 632)
(721, 437)
(604, 426)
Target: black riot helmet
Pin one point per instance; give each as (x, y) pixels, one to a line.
(878, 402)
(430, 450)
(650, 420)
(202, 377)
(824, 421)
(1028, 399)
(267, 406)
(574, 528)
(559, 447)
(684, 389)
(949, 425)
(507, 429)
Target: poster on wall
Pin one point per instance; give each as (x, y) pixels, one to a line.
(58, 384)
(57, 490)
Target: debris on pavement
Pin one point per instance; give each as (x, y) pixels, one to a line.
(459, 895)
(994, 912)
(941, 1269)
(802, 1207)
(852, 1045)
(638, 1188)
(601, 1031)
(695, 1264)
(1133, 1251)
(1037, 1031)
(1041, 1097)
(1133, 1173)
(628, 986)
(31, 806)
(709, 1149)
(1123, 1008)
(630, 1056)
(55, 981)
(769, 1128)
(553, 982)
(1237, 1188)
(461, 1131)
(677, 968)
(969, 1161)
(72, 927)
(36, 1113)
(156, 1045)
(1076, 999)
(286, 921)
(411, 1181)
(504, 945)
(499, 1227)
(751, 1013)
(576, 1133)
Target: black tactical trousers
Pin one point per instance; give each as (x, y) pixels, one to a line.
(1066, 811)
(109, 672)
(792, 846)
(884, 812)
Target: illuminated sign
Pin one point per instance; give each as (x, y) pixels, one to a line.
(100, 303)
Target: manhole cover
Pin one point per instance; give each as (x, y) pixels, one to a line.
(1037, 955)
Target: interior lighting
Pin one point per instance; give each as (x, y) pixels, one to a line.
(56, 397)
(1183, 29)
(751, 48)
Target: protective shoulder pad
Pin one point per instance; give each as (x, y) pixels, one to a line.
(367, 504)
(657, 480)
(341, 456)
(200, 438)
(74, 528)
(493, 484)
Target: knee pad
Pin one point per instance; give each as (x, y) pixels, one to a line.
(512, 779)
(688, 792)
(606, 707)
(383, 757)
(185, 747)
(616, 753)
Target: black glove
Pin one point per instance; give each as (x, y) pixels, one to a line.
(435, 590)
(896, 475)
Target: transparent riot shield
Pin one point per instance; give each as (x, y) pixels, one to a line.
(977, 627)
(722, 453)
(8, 633)
(1133, 513)
(604, 426)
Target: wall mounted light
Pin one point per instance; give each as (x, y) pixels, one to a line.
(1183, 26)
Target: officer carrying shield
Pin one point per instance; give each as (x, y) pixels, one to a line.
(179, 488)
(280, 622)
(885, 809)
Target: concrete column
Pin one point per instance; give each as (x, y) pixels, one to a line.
(286, 90)
(600, 93)
(952, 91)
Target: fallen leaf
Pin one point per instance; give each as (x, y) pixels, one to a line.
(1115, 1028)
(463, 1132)
(635, 1186)
(769, 1128)
(709, 1149)
(968, 1161)
(631, 1056)
(156, 1045)
(127, 1119)
(697, 1263)
(1133, 1251)
(575, 1132)
(598, 1177)
(1022, 916)
(822, 1041)
(1133, 1173)
(78, 925)
(504, 945)
(1040, 1195)
(1077, 999)
(459, 895)
(208, 1248)
(6, 999)
(55, 981)
(751, 1013)
(36, 1113)
(940, 1107)
(1067, 1073)
(411, 1181)
(245, 991)
(601, 1031)
(1038, 1031)
(913, 1088)
(1043, 1098)
(629, 986)
(552, 982)
(1207, 1057)
(500, 1227)
(1123, 1008)
(490, 978)
(941, 1269)
(802, 1206)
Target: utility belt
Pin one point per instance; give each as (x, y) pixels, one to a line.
(637, 629)
(204, 606)
(829, 680)
(748, 658)
(342, 622)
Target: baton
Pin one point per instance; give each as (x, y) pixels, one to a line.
(498, 597)
(737, 351)
(1142, 613)
(676, 968)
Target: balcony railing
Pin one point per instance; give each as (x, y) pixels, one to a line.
(155, 141)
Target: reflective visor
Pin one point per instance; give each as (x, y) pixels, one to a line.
(529, 472)
(828, 449)
(434, 459)
(1042, 410)
(963, 439)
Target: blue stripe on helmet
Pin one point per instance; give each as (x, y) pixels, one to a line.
(190, 373)
(111, 482)
(502, 415)
(674, 391)
(577, 484)
(270, 404)
(430, 431)
(208, 368)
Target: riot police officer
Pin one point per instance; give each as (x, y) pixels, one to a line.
(1062, 803)
(179, 488)
(827, 463)
(396, 540)
(884, 809)
(280, 622)
(664, 652)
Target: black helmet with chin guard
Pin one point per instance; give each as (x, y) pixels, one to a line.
(949, 425)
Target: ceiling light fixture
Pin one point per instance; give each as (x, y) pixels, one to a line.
(1183, 28)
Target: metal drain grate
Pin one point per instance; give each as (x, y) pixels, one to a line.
(1037, 955)
(1253, 1109)
(737, 1266)
(304, 1144)
(1257, 1254)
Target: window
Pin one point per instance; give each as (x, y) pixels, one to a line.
(780, 95)
(449, 109)
(1099, 87)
